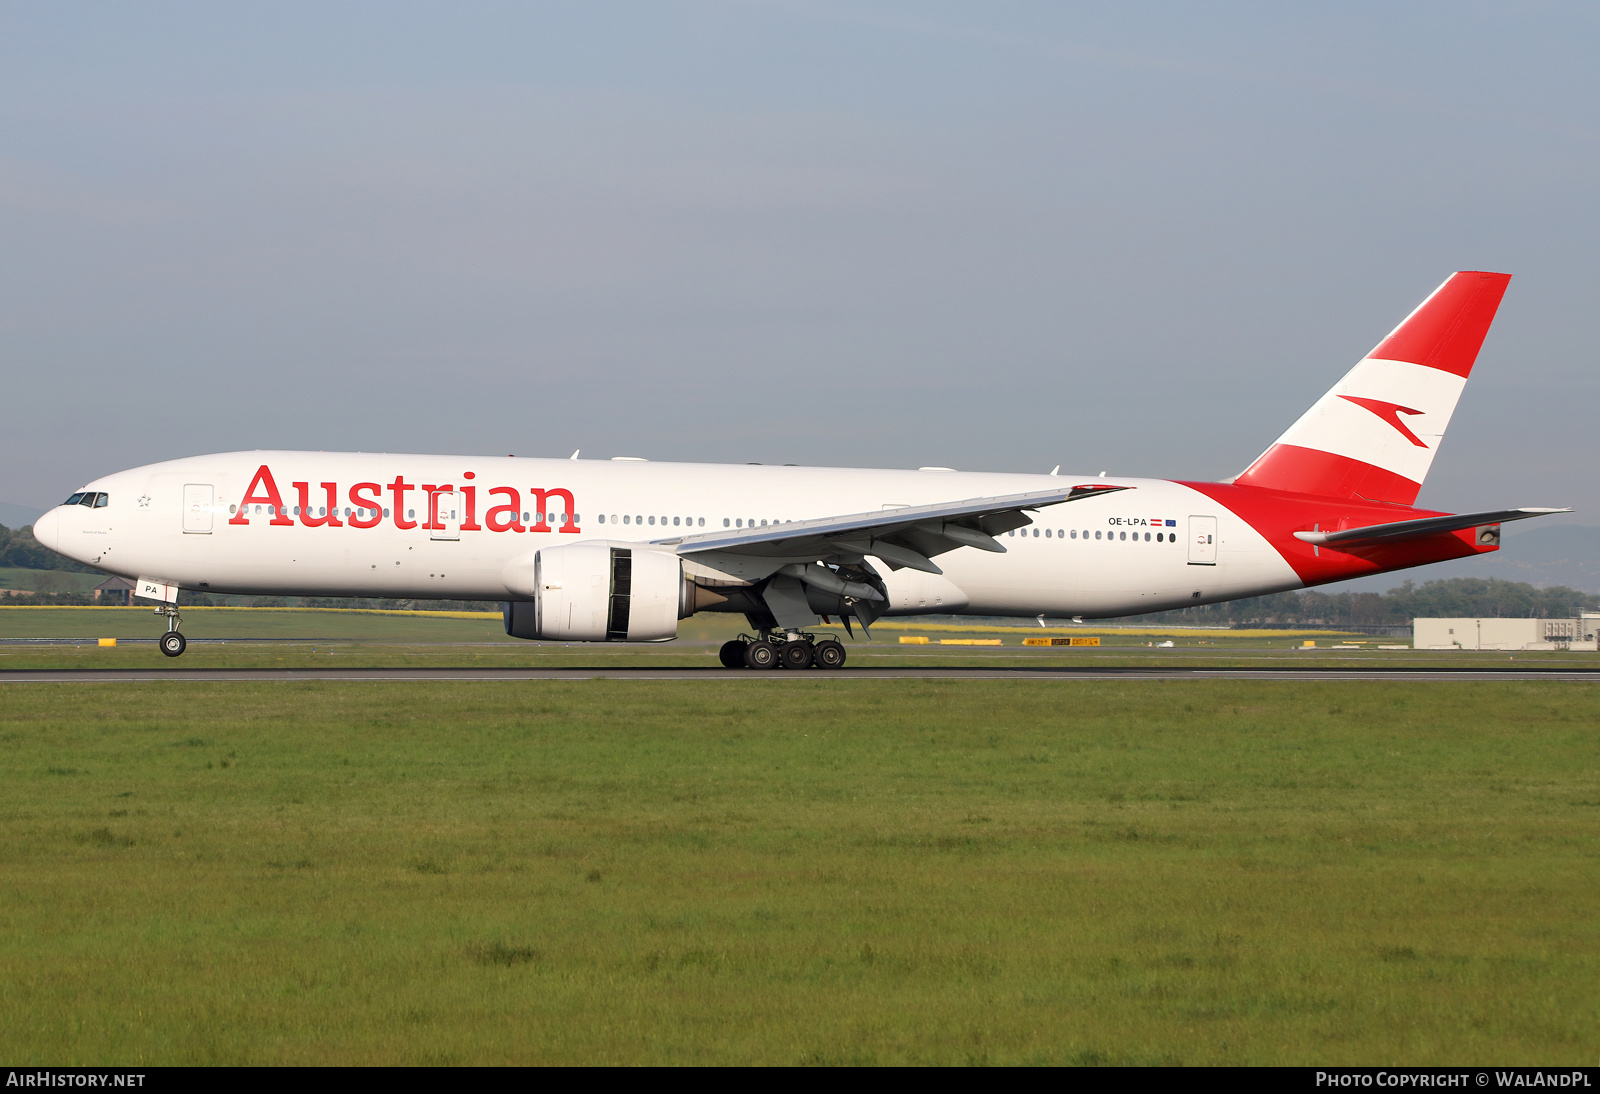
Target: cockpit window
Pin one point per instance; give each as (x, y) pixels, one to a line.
(74, 500)
(88, 499)
(100, 501)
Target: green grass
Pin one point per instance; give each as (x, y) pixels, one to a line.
(328, 625)
(748, 872)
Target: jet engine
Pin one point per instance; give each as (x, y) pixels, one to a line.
(598, 592)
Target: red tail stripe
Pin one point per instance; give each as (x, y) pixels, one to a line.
(1310, 471)
(1448, 330)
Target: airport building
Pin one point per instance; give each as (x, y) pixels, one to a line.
(1577, 633)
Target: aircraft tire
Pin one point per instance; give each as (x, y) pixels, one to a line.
(173, 644)
(760, 655)
(829, 654)
(797, 654)
(732, 654)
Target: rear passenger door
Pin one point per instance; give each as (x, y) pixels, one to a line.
(1202, 541)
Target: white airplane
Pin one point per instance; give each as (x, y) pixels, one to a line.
(621, 550)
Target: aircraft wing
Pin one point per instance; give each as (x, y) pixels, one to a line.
(1416, 529)
(908, 536)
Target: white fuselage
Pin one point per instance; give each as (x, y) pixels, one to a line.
(1100, 556)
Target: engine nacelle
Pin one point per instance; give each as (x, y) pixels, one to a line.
(598, 592)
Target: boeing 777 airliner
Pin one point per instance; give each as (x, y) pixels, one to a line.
(621, 550)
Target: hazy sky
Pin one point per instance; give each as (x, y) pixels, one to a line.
(1140, 238)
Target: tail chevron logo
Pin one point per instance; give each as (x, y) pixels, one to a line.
(1389, 412)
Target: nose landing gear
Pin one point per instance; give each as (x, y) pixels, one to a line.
(172, 643)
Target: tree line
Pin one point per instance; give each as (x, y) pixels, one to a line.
(18, 548)
(1472, 597)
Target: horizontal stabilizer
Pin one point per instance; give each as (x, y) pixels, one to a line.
(1416, 529)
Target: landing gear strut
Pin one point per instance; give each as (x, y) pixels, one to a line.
(800, 651)
(172, 643)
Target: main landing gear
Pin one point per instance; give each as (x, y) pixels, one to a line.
(792, 651)
(172, 643)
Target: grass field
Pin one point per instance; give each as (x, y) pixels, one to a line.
(755, 872)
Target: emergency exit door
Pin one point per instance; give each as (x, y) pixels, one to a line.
(446, 522)
(1202, 541)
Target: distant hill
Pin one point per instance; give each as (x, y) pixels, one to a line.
(18, 516)
(1561, 554)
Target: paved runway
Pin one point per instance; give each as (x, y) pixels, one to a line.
(355, 675)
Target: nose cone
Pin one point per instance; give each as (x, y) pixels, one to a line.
(47, 529)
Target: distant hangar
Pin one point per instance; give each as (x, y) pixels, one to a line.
(1577, 633)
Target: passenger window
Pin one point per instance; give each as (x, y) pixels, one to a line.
(1074, 533)
(702, 522)
(1147, 537)
(602, 518)
(674, 522)
(322, 510)
(1097, 535)
(411, 514)
(386, 514)
(1122, 535)
(725, 522)
(652, 520)
(1047, 533)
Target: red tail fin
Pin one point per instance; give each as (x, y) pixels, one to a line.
(1354, 443)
